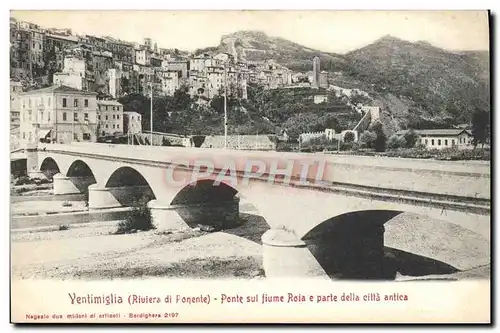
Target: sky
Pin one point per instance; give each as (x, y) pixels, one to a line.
(329, 31)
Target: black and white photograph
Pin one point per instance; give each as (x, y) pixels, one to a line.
(339, 146)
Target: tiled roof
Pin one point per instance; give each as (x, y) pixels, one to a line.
(437, 132)
(108, 102)
(69, 38)
(58, 88)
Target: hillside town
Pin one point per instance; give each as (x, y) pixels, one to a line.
(65, 87)
(113, 68)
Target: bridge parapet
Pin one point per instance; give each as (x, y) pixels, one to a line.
(464, 179)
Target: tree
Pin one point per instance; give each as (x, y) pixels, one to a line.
(411, 138)
(367, 139)
(217, 103)
(124, 83)
(480, 126)
(396, 141)
(349, 137)
(380, 141)
(181, 100)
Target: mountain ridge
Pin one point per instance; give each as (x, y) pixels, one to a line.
(417, 84)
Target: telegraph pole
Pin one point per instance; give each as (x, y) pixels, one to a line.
(73, 128)
(151, 105)
(225, 107)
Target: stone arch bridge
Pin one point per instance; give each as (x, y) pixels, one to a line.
(303, 197)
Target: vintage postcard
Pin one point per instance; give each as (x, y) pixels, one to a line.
(250, 166)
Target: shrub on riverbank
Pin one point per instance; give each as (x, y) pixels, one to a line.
(136, 219)
(447, 154)
(25, 180)
(464, 154)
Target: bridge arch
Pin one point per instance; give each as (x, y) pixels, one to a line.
(353, 245)
(129, 186)
(204, 191)
(49, 167)
(80, 168)
(209, 203)
(81, 175)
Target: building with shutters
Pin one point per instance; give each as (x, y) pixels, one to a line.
(110, 117)
(58, 114)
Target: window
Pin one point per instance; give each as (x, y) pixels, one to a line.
(75, 136)
(114, 117)
(439, 142)
(117, 116)
(99, 107)
(86, 103)
(48, 116)
(106, 108)
(107, 126)
(86, 136)
(64, 102)
(426, 141)
(99, 116)
(75, 103)
(48, 101)
(114, 109)
(64, 116)
(106, 117)
(132, 117)
(445, 142)
(432, 142)
(113, 125)
(41, 115)
(29, 116)
(86, 116)
(452, 142)
(103, 133)
(24, 135)
(75, 116)
(139, 118)
(118, 126)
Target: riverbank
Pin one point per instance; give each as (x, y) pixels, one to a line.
(91, 251)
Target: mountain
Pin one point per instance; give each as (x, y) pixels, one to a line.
(416, 84)
(257, 46)
(435, 84)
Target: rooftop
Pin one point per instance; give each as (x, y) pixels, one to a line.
(437, 132)
(108, 102)
(58, 89)
(69, 38)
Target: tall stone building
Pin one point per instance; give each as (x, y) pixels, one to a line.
(316, 72)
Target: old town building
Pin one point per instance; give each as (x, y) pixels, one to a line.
(110, 117)
(58, 114)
